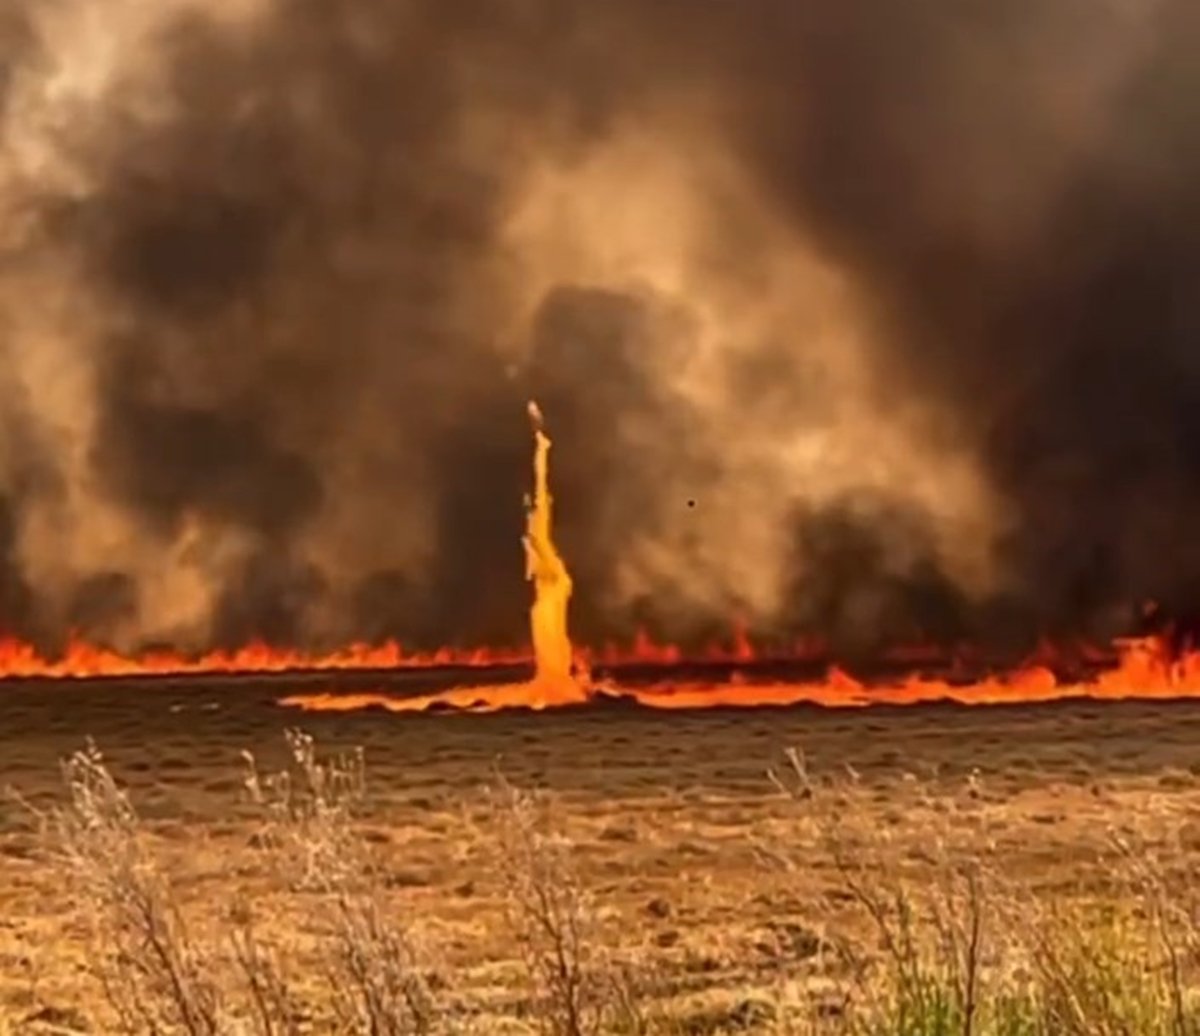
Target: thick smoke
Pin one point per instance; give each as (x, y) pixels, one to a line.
(872, 319)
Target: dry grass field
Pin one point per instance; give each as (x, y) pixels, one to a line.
(914, 871)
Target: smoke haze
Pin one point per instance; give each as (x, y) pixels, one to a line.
(876, 319)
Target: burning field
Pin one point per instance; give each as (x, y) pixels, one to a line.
(646, 674)
(850, 685)
(644, 851)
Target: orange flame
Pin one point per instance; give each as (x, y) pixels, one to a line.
(560, 673)
(81, 660)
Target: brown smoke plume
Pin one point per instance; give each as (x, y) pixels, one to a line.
(873, 319)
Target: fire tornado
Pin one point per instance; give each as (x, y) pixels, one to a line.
(555, 681)
(559, 677)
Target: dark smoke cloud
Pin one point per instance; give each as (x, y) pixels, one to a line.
(1068, 341)
(870, 579)
(588, 374)
(914, 298)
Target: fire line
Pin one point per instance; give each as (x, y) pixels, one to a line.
(1143, 668)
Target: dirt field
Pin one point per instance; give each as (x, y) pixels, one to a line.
(678, 834)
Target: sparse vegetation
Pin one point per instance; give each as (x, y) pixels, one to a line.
(934, 935)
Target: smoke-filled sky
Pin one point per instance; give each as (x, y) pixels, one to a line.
(878, 319)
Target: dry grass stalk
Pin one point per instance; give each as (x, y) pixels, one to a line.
(371, 961)
(968, 952)
(159, 980)
(155, 977)
(274, 1006)
(578, 987)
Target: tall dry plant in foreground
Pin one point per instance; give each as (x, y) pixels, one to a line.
(155, 976)
(943, 940)
(577, 985)
(159, 979)
(368, 956)
(1129, 965)
(962, 949)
